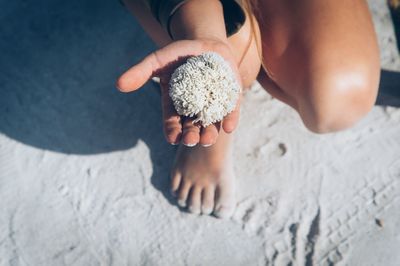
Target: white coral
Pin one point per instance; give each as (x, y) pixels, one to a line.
(204, 87)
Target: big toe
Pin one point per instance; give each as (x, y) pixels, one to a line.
(225, 204)
(224, 211)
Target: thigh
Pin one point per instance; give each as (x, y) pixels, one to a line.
(304, 41)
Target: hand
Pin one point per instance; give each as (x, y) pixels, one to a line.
(162, 63)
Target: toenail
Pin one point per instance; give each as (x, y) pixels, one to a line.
(224, 212)
(190, 144)
(206, 211)
(194, 210)
(182, 203)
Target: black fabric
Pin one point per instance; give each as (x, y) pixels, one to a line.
(234, 16)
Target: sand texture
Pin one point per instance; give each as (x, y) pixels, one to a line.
(84, 168)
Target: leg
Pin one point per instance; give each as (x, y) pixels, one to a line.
(203, 177)
(320, 57)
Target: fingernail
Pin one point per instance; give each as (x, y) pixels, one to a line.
(190, 144)
(155, 79)
(206, 145)
(174, 143)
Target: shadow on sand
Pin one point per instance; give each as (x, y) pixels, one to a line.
(59, 62)
(389, 89)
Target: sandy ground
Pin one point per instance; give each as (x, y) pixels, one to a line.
(84, 169)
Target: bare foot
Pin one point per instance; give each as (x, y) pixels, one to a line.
(203, 178)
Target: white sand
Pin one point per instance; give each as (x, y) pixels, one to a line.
(84, 169)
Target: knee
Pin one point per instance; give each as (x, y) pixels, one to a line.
(338, 99)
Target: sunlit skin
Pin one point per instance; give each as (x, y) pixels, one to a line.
(319, 57)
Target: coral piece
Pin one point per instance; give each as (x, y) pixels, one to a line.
(204, 87)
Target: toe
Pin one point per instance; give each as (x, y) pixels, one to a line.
(195, 200)
(207, 201)
(225, 203)
(191, 133)
(224, 212)
(175, 182)
(183, 192)
(209, 135)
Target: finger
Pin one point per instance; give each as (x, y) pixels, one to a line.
(171, 119)
(191, 132)
(139, 74)
(209, 134)
(160, 60)
(231, 120)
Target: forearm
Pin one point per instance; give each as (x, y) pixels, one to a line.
(192, 20)
(149, 23)
(198, 19)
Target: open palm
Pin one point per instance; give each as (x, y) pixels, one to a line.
(162, 63)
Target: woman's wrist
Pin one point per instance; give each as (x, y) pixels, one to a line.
(198, 19)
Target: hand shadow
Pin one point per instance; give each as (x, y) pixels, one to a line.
(59, 63)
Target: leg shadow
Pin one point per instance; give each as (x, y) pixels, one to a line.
(389, 89)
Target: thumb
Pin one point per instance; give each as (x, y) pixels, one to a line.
(154, 63)
(139, 74)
